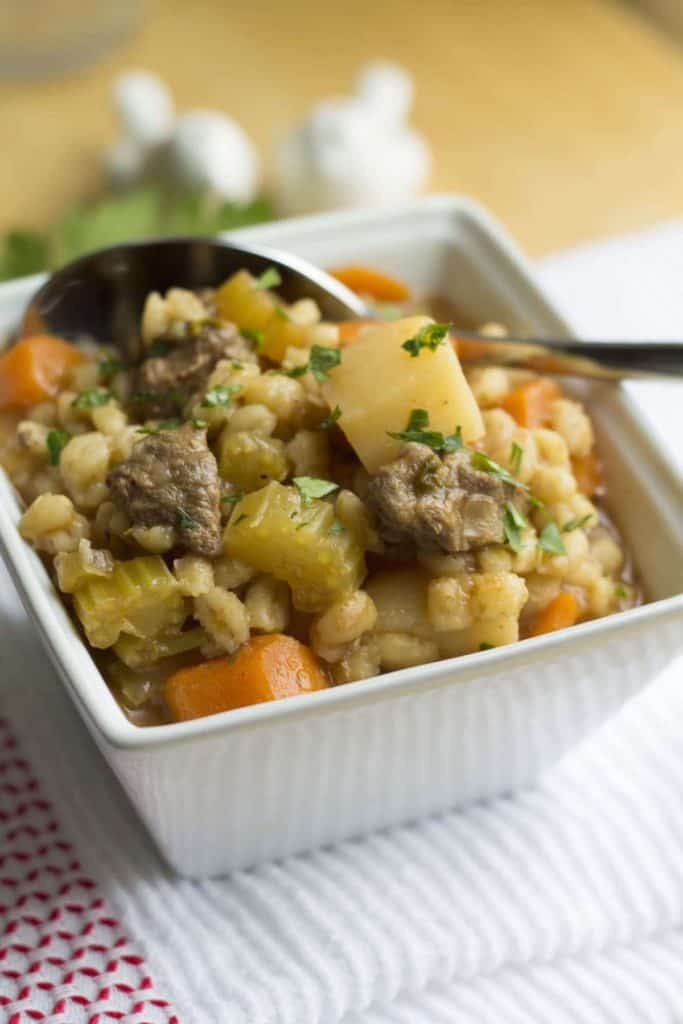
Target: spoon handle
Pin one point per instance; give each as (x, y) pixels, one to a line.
(609, 360)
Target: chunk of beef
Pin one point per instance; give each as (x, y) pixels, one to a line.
(164, 383)
(171, 479)
(438, 504)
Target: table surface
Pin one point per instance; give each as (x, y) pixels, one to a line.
(563, 117)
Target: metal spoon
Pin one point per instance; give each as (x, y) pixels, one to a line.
(101, 295)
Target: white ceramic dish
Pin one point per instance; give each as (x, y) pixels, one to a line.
(266, 781)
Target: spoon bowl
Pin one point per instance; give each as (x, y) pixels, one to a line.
(101, 295)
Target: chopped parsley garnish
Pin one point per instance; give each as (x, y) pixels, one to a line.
(110, 365)
(236, 365)
(255, 337)
(270, 278)
(56, 440)
(453, 442)
(300, 526)
(222, 394)
(513, 522)
(310, 487)
(320, 361)
(330, 420)
(240, 519)
(158, 349)
(184, 520)
(416, 430)
(535, 502)
(172, 424)
(486, 647)
(516, 456)
(199, 423)
(282, 314)
(337, 527)
(430, 336)
(620, 591)
(482, 461)
(91, 398)
(232, 499)
(576, 524)
(550, 540)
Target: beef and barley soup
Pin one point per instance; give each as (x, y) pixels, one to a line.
(266, 504)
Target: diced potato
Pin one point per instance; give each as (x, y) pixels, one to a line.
(257, 309)
(378, 384)
(248, 460)
(245, 304)
(400, 596)
(283, 332)
(140, 597)
(274, 531)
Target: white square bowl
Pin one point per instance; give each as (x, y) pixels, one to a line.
(271, 780)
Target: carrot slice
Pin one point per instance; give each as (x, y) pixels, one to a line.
(562, 611)
(350, 330)
(33, 370)
(267, 668)
(467, 349)
(530, 403)
(367, 281)
(587, 473)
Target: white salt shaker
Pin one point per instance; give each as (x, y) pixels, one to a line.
(354, 151)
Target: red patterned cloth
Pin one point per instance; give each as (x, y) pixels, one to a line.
(64, 956)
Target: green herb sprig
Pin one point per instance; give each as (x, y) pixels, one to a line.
(417, 430)
(255, 337)
(516, 456)
(184, 521)
(330, 420)
(270, 278)
(320, 361)
(513, 523)
(310, 487)
(430, 337)
(480, 460)
(110, 365)
(576, 524)
(56, 441)
(92, 398)
(221, 395)
(550, 540)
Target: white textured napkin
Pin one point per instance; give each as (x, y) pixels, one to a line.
(562, 904)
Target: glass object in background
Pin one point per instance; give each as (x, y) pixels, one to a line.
(48, 37)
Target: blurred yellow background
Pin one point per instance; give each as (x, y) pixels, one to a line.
(563, 116)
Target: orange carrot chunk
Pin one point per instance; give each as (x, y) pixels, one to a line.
(530, 403)
(366, 281)
(349, 330)
(267, 668)
(559, 613)
(467, 349)
(586, 469)
(33, 370)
